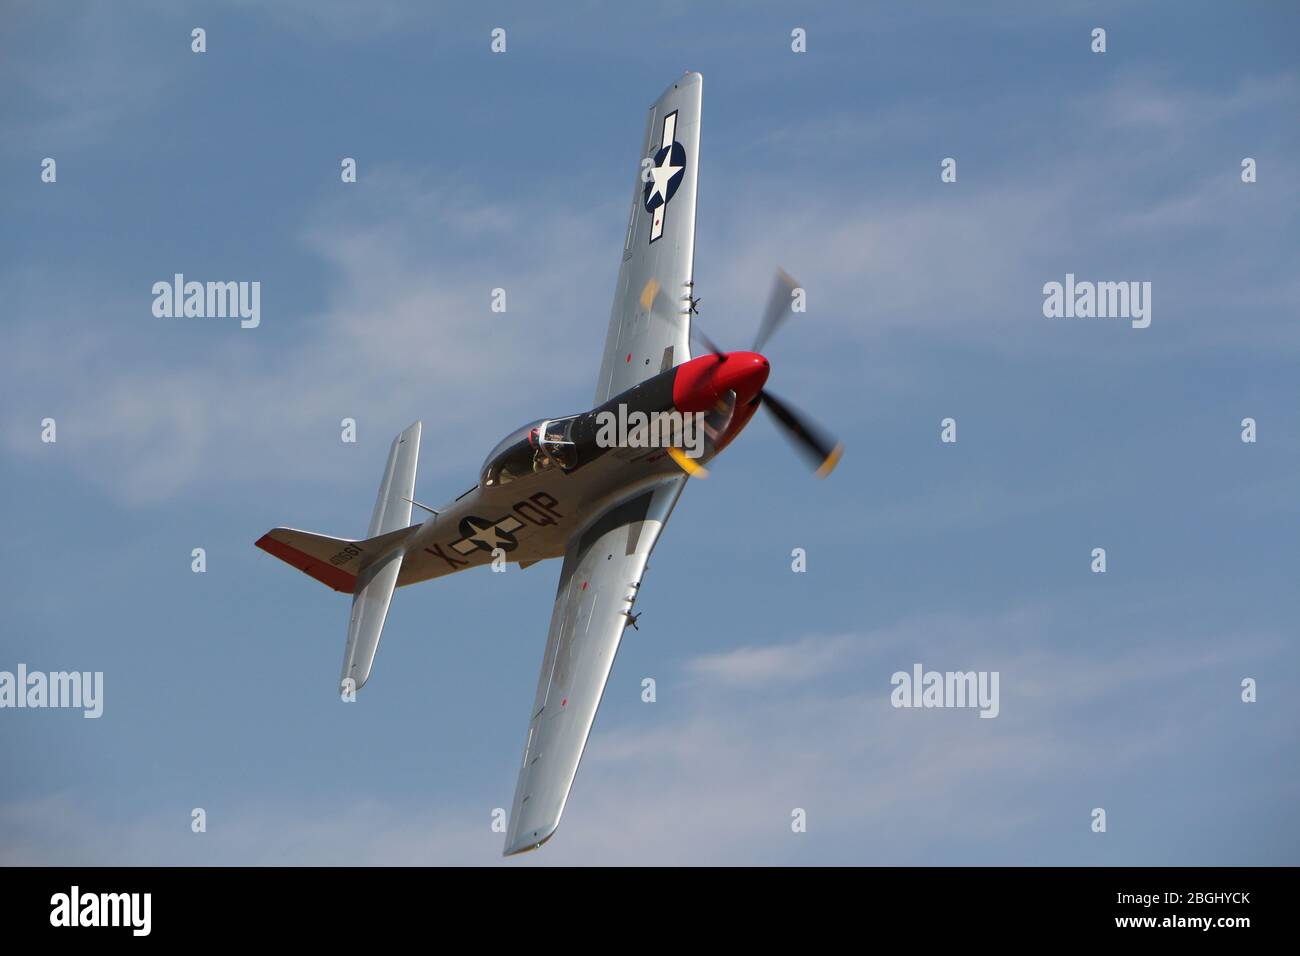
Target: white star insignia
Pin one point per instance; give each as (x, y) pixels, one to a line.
(664, 174)
(489, 536)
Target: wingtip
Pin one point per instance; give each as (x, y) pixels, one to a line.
(520, 846)
(358, 682)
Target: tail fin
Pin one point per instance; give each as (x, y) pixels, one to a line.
(393, 506)
(365, 569)
(376, 581)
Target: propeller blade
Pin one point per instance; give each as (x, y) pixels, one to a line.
(778, 308)
(708, 342)
(822, 451)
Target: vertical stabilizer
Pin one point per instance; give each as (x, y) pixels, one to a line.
(375, 583)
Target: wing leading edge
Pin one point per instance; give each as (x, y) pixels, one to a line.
(649, 325)
(602, 572)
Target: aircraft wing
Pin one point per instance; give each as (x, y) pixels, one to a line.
(649, 326)
(598, 584)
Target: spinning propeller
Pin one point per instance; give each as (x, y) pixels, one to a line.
(819, 448)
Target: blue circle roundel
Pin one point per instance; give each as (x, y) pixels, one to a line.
(665, 175)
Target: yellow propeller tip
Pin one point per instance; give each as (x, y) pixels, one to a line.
(831, 461)
(687, 464)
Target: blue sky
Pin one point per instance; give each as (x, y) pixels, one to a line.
(478, 171)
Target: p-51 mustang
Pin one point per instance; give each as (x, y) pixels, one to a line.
(553, 489)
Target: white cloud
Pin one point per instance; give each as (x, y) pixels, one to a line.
(758, 666)
(965, 262)
(407, 332)
(716, 778)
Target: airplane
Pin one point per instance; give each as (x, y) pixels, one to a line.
(551, 489)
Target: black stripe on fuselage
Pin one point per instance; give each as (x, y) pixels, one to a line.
(653, 395)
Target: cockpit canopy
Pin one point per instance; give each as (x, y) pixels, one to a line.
(534, 448)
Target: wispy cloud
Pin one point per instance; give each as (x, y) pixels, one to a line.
(85, 77)
(966, 261)
(409, 271)
(718, 778)
(759, 666)
(407, 330)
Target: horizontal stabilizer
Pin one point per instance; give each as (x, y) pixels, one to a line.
(335, 562)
